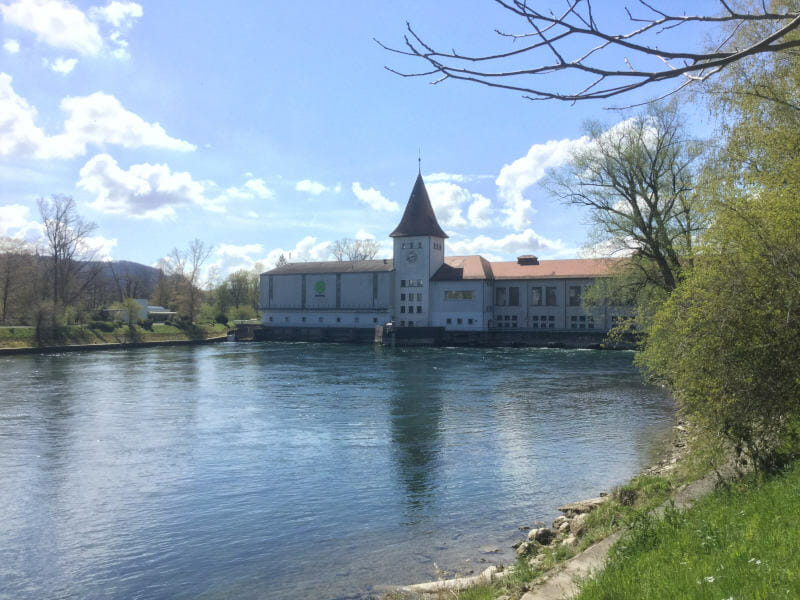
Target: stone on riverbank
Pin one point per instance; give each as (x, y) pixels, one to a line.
(582, 507)
(543, 535)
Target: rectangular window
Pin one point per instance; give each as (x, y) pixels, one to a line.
(419, 309)
(402, 309)
(338, 319)
(419, 297)
(459, 321)
(270, 319)
(513, 296)
(550, 295)
(470, 321)
(303, 319)
(449, 321)
(459, 295)
(500, 296)
(411, 323)
(536, 296)
(573, 322)
(374, 319)
(402, 283)
(574, 295)
(402, 297)
(402, 323)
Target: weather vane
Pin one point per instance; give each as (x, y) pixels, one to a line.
(419, 160)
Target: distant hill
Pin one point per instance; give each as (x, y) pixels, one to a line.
(124, 278)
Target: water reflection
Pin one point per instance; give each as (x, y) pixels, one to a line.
(415, 407)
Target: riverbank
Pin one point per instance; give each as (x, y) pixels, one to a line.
(24, 340)
(550, 558)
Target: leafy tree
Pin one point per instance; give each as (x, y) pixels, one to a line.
(728, 339)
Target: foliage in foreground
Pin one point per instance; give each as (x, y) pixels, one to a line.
(740, 542)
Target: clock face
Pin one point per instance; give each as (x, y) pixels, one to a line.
(411, 256)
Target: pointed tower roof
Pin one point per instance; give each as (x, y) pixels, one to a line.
(418, 218)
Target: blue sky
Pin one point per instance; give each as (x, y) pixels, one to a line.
(266, 127)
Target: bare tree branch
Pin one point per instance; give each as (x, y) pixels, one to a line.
(603, 56)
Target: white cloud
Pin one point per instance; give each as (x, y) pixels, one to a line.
(252, 188)
(100, 246)
(505, 248)
(362, 234)
(61, 24)
(119, 14)
(516, 178)
(61, 65)
(18, 131)
(374, 198)
(58, 23)
(97, 119)
(449, 200)
(252, 214)
(15, 221)
(479, 212)
(143, 191)
(307, 249)
(11, 46)
(154, 191)
(315, 188)
(101, 119)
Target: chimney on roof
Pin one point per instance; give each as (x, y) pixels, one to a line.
(527, 259)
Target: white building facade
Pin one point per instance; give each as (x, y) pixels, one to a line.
(422, 287)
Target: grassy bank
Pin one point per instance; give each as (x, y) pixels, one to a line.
(740, 542)
(26, 337)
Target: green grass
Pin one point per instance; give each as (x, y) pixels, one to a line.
(741, 542)
(22, 337)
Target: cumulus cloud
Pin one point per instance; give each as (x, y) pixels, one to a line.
(18, 131)
(374, 198)
(514, 179)
(504, 248)
(119, 14)
(307, 249)
(57, 23)
(449, 201)
(97, 119)
(363, 234)
(144, 191)
(231, 257)
(61, 24)
(315, 188)
(100, 246)
(11, 46)
(479, 212)
(61, 65)
(251, 189)
(154, 191)
(16, 221)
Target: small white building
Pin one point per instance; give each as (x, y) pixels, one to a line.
(422, 287)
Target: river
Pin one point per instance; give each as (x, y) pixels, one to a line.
(277, 470)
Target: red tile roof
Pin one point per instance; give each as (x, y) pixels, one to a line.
(476, 267)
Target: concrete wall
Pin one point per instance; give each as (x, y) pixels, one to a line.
(459, 314)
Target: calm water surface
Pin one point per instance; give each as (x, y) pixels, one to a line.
(298, 470)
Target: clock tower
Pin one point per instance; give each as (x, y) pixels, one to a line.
(418, 254)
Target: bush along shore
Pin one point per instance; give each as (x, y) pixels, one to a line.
(102, 333)
(739, 541)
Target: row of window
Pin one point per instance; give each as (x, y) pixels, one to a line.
(581, 322)
(459, 295)
(322, 319)
(411, 283)
(460, 321)
(410, 297)
(405, 245)
(540, 295)
(410, 309)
